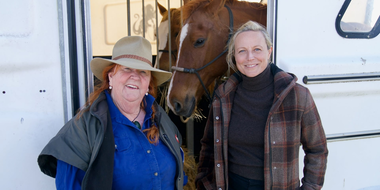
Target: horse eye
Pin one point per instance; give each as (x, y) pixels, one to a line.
(200, 42)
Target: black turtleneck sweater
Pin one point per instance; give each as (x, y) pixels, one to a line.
(252, 102)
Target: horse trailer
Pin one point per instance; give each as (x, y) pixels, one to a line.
(332, 46)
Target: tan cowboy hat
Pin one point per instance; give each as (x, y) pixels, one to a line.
(134, 52)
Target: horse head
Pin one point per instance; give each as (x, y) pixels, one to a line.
(163, 34)
(201, 48)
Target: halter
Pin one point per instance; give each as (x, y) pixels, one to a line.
(195, 71)
(173, 53)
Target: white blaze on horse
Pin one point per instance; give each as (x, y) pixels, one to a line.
(202, 44)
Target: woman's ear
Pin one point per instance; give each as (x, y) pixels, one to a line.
(270, 52)
(110, 75)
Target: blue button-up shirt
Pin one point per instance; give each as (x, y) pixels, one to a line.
(138, 164)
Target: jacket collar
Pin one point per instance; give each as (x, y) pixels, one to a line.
(229, 85)
(283, 83)
(100, 107)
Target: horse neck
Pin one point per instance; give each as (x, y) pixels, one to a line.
(244, 11)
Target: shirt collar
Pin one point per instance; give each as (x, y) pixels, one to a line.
(116, 115)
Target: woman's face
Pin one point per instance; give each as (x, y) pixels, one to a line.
(129, 85)
(251, 53)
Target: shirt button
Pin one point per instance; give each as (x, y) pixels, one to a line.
(274, 167)
(148, 151)
(218, 165)
(274, 142)
(217, 117)
(220, 188)
(156, 174)
(115, 146)
(217, 140)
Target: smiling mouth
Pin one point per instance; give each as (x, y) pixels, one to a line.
(251, 66)
(132, 86)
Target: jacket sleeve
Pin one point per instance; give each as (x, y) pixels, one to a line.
(314, 144)
(69, 145)
(205, 176)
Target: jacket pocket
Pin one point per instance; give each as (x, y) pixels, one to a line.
(122, 144)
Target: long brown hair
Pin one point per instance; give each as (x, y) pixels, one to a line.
(152, 133)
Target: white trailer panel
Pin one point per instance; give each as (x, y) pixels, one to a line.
(307, 44)
(34, 94)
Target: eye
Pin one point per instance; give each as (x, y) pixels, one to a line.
(241, 51)
(257, 49)
(144, 72)
(200, 42)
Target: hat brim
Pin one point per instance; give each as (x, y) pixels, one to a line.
(98, 64)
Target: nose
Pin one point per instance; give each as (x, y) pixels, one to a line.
(251, 55)
(135, 73)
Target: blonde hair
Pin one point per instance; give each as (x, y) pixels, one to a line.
(248, 26)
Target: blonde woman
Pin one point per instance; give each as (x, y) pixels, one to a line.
(259, 118)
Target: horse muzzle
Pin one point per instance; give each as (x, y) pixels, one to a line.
(185, 108)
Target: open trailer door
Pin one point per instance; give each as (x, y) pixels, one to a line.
(333, 48)
(42, 76)
(32, 98)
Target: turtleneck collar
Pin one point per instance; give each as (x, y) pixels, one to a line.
(258, 82)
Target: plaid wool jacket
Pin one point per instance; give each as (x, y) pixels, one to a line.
(293, 120)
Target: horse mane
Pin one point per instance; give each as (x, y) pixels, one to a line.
(176, 13)
(245, 4)
(173, 11)
(189, 8)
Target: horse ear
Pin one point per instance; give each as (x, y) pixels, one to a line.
(215, 6)
(162, 9)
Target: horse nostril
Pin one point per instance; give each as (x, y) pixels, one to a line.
(177, 107)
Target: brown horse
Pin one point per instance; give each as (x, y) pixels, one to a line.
(163, 33)
(165, 52)
(202, 41)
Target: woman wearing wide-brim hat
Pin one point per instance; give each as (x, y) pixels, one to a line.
(121, 139)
